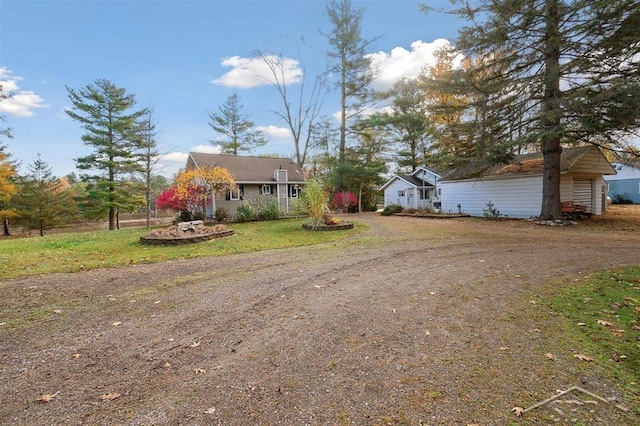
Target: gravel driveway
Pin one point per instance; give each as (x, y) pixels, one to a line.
(415, 321)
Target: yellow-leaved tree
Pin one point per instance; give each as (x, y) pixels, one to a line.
(204, 182)
(7, 188)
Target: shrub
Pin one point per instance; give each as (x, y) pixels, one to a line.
(267, 209)
(491, 212)
(344, 200)
(245, 212)
(264, 208)
(313, 202)
(391, 209)
(221, 214)
(621, 199)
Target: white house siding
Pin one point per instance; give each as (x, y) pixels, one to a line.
(391, 193)
(514, 197)
(519, 197)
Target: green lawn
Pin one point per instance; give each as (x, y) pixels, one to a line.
(89, 250)
(602, 318)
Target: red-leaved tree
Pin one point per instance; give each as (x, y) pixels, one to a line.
(188, 202)
(344, 200)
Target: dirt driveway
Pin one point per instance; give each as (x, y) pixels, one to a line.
(416, 321)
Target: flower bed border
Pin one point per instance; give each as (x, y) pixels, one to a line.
(174, 241)
(338, 227)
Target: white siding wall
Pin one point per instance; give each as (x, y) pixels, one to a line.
(391, 193)
(515, 197)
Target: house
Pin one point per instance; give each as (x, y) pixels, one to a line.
(419, 190)
(256, 177)
(625, 185)
(515, 189)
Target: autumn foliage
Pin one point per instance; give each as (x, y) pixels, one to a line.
(344, 200)
(193, 188)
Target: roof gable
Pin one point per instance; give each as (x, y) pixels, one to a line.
(585, 159)
(413, 179)
(247, 169)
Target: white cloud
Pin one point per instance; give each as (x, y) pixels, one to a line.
(275, 132)
(254, 72)
(402, 63)
(21, 102)
(206, 149)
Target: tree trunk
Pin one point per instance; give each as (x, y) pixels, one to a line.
(551, 116)
(5, 223)
(112, 218)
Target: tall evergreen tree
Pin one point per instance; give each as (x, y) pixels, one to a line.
(570, 67)
(232, 122)
(42, 201)
(350, 64)
(113, 131)
(407, 123)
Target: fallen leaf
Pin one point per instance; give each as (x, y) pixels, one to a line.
(504, 348)
(210, 410)
(582, 357)
(75, 356)
(518, 411)
(166, 365)
(618, 332)
(427, 333)
(156, 302)
(117, 323)
(57, 311)
(533, 302)
(605, 323)
(194, 344)
(110, 396)
(43, 399)
(200, 371)
(581, 324)
(550, 356)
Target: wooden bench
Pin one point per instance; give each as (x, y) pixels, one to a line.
(569, 208)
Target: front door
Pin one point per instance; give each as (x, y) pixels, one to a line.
(411, 198)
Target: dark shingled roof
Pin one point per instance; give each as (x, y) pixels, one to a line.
(245, 169)
(521, 165)
(414, 180)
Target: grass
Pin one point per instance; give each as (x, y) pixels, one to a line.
(103, 249)
(607, 307)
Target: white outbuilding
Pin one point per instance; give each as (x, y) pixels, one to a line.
(515, 189)
(419, 190)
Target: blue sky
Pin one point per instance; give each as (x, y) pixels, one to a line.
(183, 58)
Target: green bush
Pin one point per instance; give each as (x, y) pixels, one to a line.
(313, 202)
(267, 209)
(263, 208)
(621, 199)
(245, 212)
(391, 209)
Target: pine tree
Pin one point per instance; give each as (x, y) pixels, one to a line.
(113, 131)
(570, 69)
(42, 201)
(232, 122)
(351, 66)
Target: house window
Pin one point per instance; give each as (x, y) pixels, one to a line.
(401, 193)
(237, 194)
(294, 191)
(424, 193)
(265, 189)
